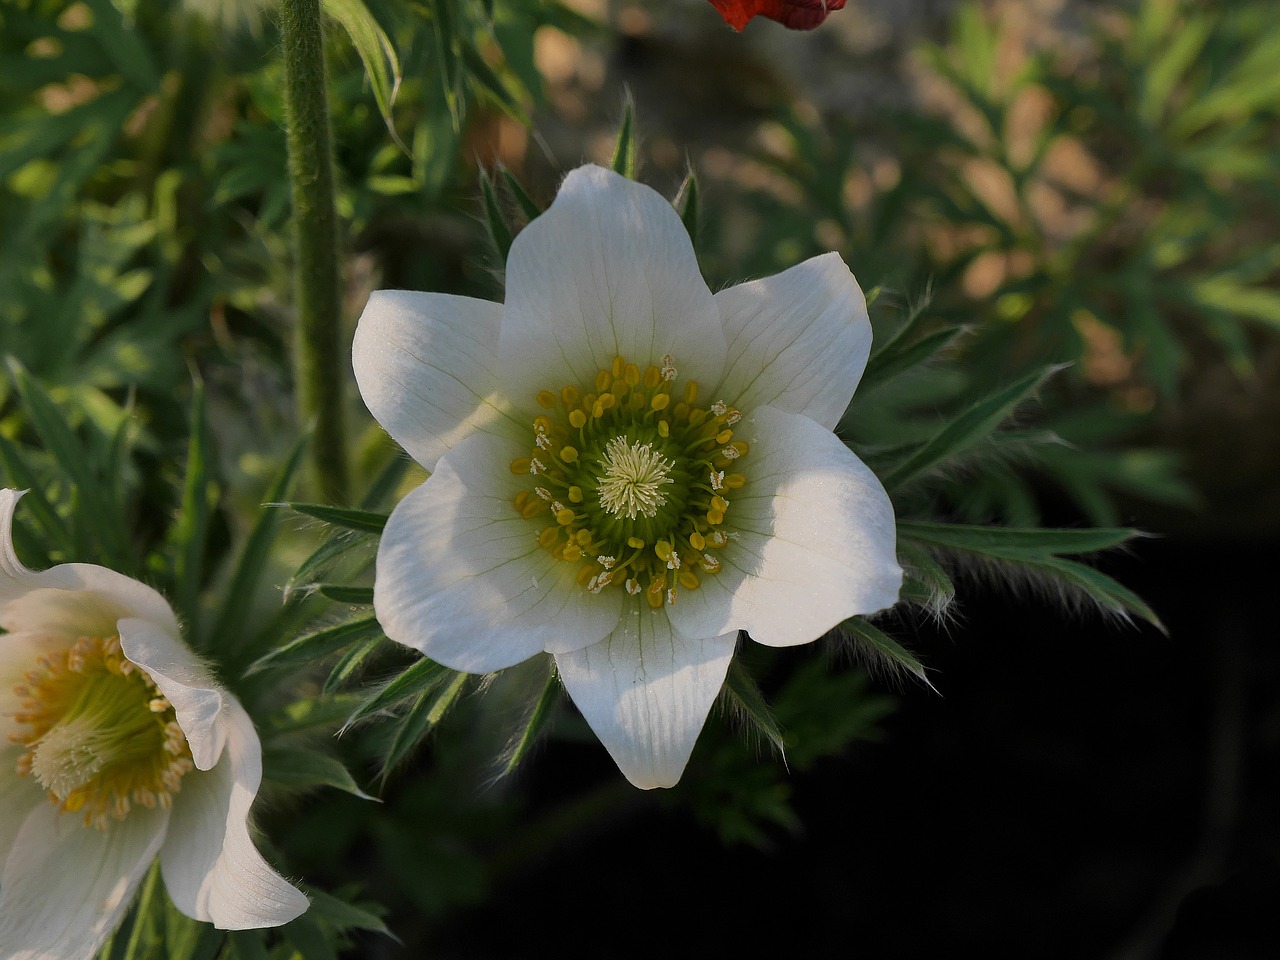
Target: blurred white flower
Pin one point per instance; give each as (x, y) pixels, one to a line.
(116, 745)
(625, 469)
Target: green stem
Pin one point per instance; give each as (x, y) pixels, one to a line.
(318, 358)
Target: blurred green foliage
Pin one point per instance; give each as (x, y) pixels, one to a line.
(1051, 251)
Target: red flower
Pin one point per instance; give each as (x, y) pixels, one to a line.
(795, 14)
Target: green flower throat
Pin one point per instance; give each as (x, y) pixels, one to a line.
(634, 480)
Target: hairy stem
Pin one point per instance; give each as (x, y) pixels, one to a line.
(318, 365)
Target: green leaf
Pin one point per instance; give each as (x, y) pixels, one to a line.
(338, 593)
(303, 769)
(189, 534)
(889, 363)
(535, 723)
(500, 232)
(744, 696)
(528, 207)
(1015, 543)
(229, 633)
(350, 663)
(881, 649)
(966, 430)
(362, 521)
(422, 675)
(624, 151)
(343, 915)
(483, 74)
(687, 204)
(376, 53)
(318, 645)
(428, 710)
(34, 501)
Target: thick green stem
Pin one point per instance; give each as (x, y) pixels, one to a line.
(319, 367)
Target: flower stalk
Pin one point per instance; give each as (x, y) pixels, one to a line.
(319, 366)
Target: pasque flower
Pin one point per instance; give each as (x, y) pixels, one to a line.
(796, 14)
(116, 746)
(625, 469)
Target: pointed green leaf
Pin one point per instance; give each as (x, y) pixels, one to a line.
(302, 769)
(624, 151)
(744, 696)
(882, 649)
(422, 675)
(361, 521)
(318, 645)
(376, 52)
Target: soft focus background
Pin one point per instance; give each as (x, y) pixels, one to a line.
(1093, 184)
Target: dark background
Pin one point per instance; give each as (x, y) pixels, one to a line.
(1076, 788)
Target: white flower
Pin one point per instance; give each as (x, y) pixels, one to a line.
(691, 445)
(116, 745)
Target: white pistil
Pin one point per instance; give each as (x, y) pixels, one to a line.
(634, 475)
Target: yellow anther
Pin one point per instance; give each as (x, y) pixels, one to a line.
(620, 387)
(588, 401)
(697, 540)
(631, 374)
(583, 537)
(546, 399)
(607, 400)
(575, 494)
(697, 416)
(720, 503)
(715, 516)
(568, 454)
(597, 409)
(565, 517)
(571, 552)
(638, 401)
(577, 419)
(664, 428)
(663, 549)
(602, 381)
(742, 447)
(618, 367)
(652, 377)
(635, 543)
(660, 401)
(570, 395)
(532, 508)
(734, 481)
(585, 575)
(521, 465)
(681, 411)
(549, 536)
(724, 436)
(543, 424)
(691, 392)
(521, 499)
(689, 580)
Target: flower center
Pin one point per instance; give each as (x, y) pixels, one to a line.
(633, 478)
(99, 735)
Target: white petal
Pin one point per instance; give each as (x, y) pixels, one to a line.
(211, 868)
(65, 885)
(816, 540)
(71, 599)
(646, 692)
(798, 340)
(426, 366)
(185, 681)
(608, 270)
(461, 575)
(18, 797)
